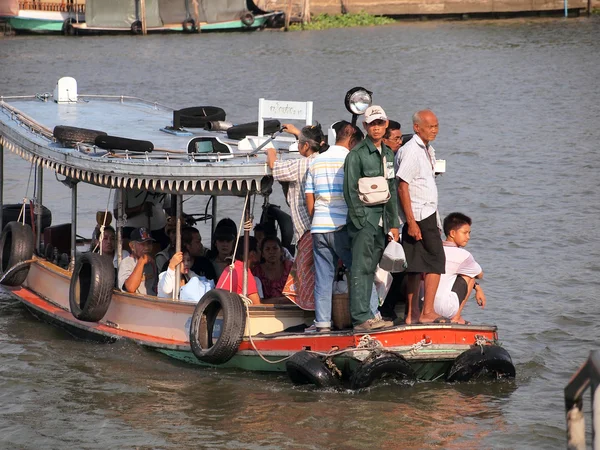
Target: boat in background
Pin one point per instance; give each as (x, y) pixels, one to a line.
(160, 16)
(43, 16)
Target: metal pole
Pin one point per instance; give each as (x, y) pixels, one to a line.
(1, 184)
(213, 223)
(119, 225)
(566, 8)
(589, 8)
(73, 224)
(143, 16)
(39, 208)
(595, 416)
(178, 211)
(246, 248)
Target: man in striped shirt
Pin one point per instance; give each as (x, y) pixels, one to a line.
(327, 206)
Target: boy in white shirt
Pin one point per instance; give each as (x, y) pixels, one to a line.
(461, 271)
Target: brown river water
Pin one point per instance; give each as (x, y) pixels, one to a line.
(519, 109)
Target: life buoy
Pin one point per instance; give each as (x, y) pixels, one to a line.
(189, 26)
(386, 365)
(199, 116)
(91, 287)
(16, 246)
(120, 143)
(251, 129)
(67, 27)
(308, 368)
(480, 362)
(247, 19)
(272, 214)
(70, 136)
(203, 326)
(136, 27)
(11, 212)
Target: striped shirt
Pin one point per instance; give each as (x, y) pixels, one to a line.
(416, 165)
(294, 171)
(325, 180)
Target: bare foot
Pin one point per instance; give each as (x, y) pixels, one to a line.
(430, 318)
(460, 320)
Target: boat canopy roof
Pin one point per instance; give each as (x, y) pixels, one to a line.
(178, 164)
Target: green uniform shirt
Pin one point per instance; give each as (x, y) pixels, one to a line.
(364, 160)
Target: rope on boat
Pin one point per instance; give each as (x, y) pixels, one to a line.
(101, 235)
(16, 266)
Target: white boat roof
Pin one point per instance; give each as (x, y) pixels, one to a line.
(27, 123)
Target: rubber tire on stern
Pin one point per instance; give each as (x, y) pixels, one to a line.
(478, 361)
(386, 363)
(16, 246)
(199, 116)
(247, 19)
(70, 136)
(92, 284)
(119, 143)
(308, 368)
(232, 331)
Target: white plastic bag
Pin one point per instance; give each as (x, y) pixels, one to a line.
(393, 259)
(383, 282)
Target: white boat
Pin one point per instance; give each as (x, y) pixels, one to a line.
(78, 293)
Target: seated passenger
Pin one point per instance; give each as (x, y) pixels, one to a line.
(233, 280)
(222, 246)
(274, 271)
(107, 246)
(163, 257)
(261, 231)
(137, 273)
(192, 242)
(192, 287)
(461, 271)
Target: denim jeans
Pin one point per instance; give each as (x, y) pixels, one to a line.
(328, 249)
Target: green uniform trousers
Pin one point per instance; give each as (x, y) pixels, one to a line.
(367, 245)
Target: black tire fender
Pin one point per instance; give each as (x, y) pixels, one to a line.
(247, 19)
(189, 26)
(251, 129)
(120, 143)
(199, 116)
(284, 220)
(91, 287)
(232, 330)
(482, 361)
(384, 365)
(308, 368)
(67, 27)
(136, 27)
(70, 136)
(16, 246)
(11, 212)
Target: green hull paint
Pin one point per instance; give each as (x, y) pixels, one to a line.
(20, 24)
(233, 25)
(426, 370)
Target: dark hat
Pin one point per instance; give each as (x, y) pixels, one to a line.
(140, 235)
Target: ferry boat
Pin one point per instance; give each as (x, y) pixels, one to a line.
(151, 150)
(43, 16)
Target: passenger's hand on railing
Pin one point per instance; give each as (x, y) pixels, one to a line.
(175, 260)
(248, 225)
(289, 128)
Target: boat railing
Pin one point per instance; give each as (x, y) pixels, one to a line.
(123, 98)
(588, 376)
(52, 6)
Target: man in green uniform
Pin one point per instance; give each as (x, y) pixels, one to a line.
(368, 224)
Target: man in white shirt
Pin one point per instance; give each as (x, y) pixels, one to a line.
(419, 203)
(137, 273)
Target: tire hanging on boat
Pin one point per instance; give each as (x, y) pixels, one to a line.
(202, 329)
(251, 129)
(91, 287)
(16, 246)
(199, 116)
(11, 212)
(308, 368)
(136, 27)
(120, 143)
(189, 26)
(386, 365)
(67, 27)
(480, 362)
(71, 136)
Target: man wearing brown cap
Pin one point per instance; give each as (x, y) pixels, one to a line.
(370, 192)
(137, 273)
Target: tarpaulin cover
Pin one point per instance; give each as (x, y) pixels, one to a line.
(173, 11)
(9, 7)
(212, 11)
(120, 13)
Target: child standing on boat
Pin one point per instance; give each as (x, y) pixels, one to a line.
(461, 271)
(137, 273)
